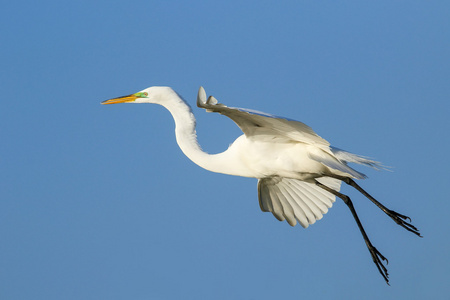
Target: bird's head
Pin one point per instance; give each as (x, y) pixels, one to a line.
(154, 94)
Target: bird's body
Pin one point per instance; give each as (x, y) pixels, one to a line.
(261, 159)
(299, 173)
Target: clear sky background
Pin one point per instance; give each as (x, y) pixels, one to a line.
(98, 202)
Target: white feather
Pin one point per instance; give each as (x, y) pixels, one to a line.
(296, 199)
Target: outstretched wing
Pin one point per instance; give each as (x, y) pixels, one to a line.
(263, 126)
(294, 200)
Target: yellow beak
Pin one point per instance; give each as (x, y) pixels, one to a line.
(124, 99)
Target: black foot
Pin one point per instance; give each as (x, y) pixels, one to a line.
(378, 259)
(402, 221)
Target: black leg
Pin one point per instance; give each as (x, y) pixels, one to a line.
(376, 255)
(398, 218)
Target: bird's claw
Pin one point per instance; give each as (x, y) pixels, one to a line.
(400, 215)
(378, 259)
(404, 221)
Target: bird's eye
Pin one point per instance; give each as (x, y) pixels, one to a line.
(145, 94)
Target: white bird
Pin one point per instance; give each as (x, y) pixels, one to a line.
(299, 173)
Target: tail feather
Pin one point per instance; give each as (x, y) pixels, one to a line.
(358, 159)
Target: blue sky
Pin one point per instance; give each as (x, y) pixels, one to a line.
(98, 202)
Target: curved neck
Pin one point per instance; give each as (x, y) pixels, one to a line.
(187, 139)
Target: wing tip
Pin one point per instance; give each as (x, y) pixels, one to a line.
(201, 97)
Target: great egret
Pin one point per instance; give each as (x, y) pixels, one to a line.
(299, 173)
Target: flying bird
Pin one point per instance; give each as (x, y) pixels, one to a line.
(299, 173)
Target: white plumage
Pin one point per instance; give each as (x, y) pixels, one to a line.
(295, 200)
(299, 174)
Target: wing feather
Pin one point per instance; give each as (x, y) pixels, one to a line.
(263, 126)
(271, 202)
(321, 208)
(265, 203)
(304, 214)
(315, 206)
(285, 200)
(321, 198)
(299, 212)
(291, 199)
